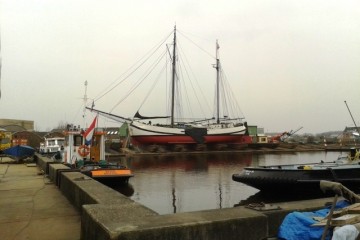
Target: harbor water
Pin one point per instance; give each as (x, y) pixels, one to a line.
(194, 182)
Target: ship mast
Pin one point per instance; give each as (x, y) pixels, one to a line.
(173, 79)
(217, 67)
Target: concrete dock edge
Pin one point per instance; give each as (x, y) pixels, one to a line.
(110, 222)
(107, 214)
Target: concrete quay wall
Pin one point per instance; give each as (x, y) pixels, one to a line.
(107, 214)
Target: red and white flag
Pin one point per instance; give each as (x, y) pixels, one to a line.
(90, 132)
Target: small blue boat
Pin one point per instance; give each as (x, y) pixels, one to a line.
(20, 151)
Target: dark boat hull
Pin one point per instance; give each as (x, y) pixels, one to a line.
(269, 180)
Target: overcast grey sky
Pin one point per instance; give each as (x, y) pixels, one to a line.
(291, 63)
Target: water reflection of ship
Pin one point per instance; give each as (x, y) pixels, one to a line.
(193, 162)
(166, 189)
(216, 159)
(189, 162)
(173, 192)
(172, 171)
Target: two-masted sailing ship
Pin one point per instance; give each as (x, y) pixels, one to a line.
(214, 130)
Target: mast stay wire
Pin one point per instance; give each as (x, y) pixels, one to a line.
(181, 85)
(153, 86)
(137, 84)
(132, 69)
(211, 55)
(185, 61)
(235, 106)
(223, 78)
(149, 54)
(230, 105)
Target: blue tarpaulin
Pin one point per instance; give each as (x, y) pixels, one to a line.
(297, 225)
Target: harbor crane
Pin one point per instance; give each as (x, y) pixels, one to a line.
(281, 137)
(356, 127)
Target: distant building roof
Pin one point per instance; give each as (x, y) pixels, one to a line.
(14, 128)
(350, 129)
(24, 124)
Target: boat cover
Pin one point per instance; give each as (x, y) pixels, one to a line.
(20, 151)
(297, 225)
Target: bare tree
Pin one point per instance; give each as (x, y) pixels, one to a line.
(62, 125)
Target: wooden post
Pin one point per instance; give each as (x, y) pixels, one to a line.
(329, 218)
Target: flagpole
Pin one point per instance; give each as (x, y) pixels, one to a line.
(85, 101)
